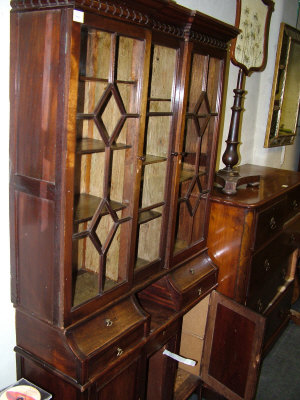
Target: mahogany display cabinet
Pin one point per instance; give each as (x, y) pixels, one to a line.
(115, 114)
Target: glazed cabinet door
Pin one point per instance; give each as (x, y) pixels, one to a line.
(154, 161)
(109, 118)
(196, 154)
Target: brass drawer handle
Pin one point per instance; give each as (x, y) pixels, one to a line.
(295, 204)
(199, 291)
(192, 271)
(272, 223)
(119, 351)
(267, 265)
(108, 322)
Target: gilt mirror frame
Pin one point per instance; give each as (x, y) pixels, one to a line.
(249, 50)
(285, 95)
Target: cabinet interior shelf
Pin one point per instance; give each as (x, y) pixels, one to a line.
(89, 146)
(86, 205)
(147, 216)
(87, 286)
(187, 174)
(158, 99)
(150, 159)
(95, 79)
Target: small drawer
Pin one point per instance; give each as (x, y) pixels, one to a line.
(269, 222)
(107, 336)
(193, 280)
(114, 351)
(293, 202)
(278, 312)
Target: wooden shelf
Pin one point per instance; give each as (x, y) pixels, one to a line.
(185, 385)
(94, 79)
(87, 286)
(89, 146)
(189, 174)
(150, 159)
(149, 215)
(180, 245)
(86, 205)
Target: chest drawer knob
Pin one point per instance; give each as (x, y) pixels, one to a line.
(119, 351)
(192, 271)
(295, 204)
(267, 265)
(199, 291)
(272, 223)
(108, 322)
(259, 305)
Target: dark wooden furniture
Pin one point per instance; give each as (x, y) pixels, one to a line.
(114, 125)
(250, 242)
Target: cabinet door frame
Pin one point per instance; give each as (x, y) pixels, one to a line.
(225, 347)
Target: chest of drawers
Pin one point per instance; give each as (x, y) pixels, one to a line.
(248, 242)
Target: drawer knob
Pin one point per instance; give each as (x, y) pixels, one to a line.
(192, 271)
(119, 351)
(267, 265)
(108, 322)
(295, 204)
(199, 291)
(259, 305)
(272, 223)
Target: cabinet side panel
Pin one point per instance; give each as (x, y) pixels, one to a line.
(226, 230)
(35, 252)
(37, 90)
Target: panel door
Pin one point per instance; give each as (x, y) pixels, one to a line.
(232, 348)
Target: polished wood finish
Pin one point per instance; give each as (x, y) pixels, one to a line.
(234, 336)
(250, 242)
(112, 165)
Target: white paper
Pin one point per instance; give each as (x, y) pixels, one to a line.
(183, 360)
(78, 16)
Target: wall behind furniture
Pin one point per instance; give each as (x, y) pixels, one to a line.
(252, 136)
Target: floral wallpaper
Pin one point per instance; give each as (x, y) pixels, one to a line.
(249, 49)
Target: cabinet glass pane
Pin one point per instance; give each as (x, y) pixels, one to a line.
(107, 126)
(156, 152)
(202, 110)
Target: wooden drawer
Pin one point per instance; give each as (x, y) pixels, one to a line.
(269, 271)
(278, 312)
(269, 222)
(193, 281)
(109, 336)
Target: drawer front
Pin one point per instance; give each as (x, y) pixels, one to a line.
(278, 313)
(193, 281)
(269, 271)
(269, 222)
(293, 202)
(115, 351)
